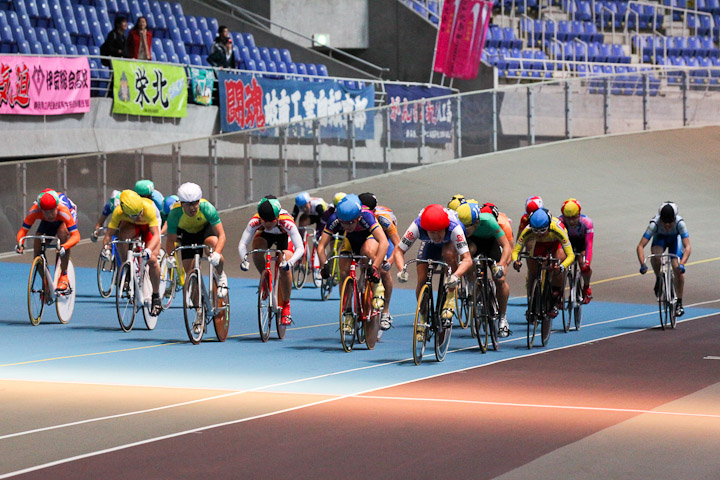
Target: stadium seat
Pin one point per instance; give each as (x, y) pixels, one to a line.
(265, 54)
(30, 36)
(7, 41)
(83, 50)
(322, 70)
(301, 69)
(248, 40)
(311, 69)
(208, 40)
(48, 49)
(36, 48)
(18, 35)
(43, 17)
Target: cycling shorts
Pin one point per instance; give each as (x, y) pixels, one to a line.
(430, 251)
(48, 228)
(543, 249)
(578, 243)
(354, 243)
(488, 247)
(672, 243)
(187, 238)
(280, 240)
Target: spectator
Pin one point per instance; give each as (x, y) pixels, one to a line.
(223, 32)
(139, 41)
(224, 57)
(114, 45)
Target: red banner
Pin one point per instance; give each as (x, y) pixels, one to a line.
(467, 30)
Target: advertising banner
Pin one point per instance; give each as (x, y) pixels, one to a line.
(202, 81)
(150, 89)
(404, 119)
(44, 85)
(248, 102)
(445, 33)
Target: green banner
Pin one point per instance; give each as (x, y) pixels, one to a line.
(152, 89)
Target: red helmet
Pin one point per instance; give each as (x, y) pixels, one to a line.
(490, 208)
(48, 199)
(434, 218)
(532, 204)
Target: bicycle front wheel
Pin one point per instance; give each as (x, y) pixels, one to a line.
(494, 316)
(577, 306)
(442, 336)
(106, 271)
(661, 304)
(546, 320)
(533, 313)
(168, 283)
(347, 315)
(568, 304)
(265, 309)
(672, 301)
(194, 307)
(479, 316)
(326, 287)
(299, 271)
(36, 295)
(125, 297)
(463, 301)
(421, 326)
(371, 326)
(65, 301)
(221, 310)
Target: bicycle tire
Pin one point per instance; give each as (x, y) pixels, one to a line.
(147, 291)
(326, 287)
(168, 280)
(546, 320)
(106, 272)
(494, 316)
(462, 304)
(280, 328)
(443, 334)
(672, 300)
(125, 298)
(316, 279)
(661, 303)
(265, 308)
(221, 319)
(194, 307)
(533, 313)
(36, 291)
(371, 326)
(347, 315)
(479, 316)
(65, 301)
(577, 307)
(299, 272)
(568, 304)
(421, 325)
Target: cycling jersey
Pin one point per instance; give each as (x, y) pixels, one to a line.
(111, 204)
(364, 228)
(150, 216)
(317, 208)
(387, 220)
(285, 225)
(63, 216)
(454, 233)
(157, 199)
(178, 220)
(487, 227)
(656, 227)
(555, 234)
(581, 235)
(504, 223)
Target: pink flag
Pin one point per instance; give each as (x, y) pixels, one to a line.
(467, 41)
(479, 40)
(445, 33)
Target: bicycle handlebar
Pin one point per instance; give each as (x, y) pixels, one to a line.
(193, 246)
(482, 258)
(350, 256)
(660, 255)
(546, 258)
(127, 242)
(429, 262)
(43, 238)
(264, 250)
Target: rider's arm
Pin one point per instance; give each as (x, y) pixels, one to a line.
(589, 235)
(64, 215)
(567, 248)
(219, 231)
(411, 234)
(464, 265)
(506, 251)
(170, 240)
(247, 236)
(100, 221)
(686, 250)
(641, 250)
(297, 241)
(34, 214)
(458, 238)
(382, 240)
(155, 240)
(522, 238)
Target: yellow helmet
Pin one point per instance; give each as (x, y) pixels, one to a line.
(468, 213)
(131, 203)
(472, 200)
(338, 196)
(456, 201)
(570, 208)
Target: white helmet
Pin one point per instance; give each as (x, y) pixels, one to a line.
(189, 192)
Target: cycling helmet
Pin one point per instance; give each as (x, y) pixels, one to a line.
(667, 211)
(189, 192)
(349, 208)
(131, 203)
(455, 201)
(338, 196)
(48, 199)
(168, 203)
(434, 218)
(368, 199)
(115, 194)
(302, 199)
(269, 209)
(540, 221)
(468, 213)
(570, 208)
(144, 188)
(532, 204)
(490, 208)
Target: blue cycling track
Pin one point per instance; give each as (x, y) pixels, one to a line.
(620, 398)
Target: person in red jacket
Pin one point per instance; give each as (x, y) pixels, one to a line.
(139, 42)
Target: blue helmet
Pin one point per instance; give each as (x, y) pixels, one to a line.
(168, 203)
(349, 208)
(540, 220)
(302, 199)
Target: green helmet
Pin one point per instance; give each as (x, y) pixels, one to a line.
(269, 209)
(144, 188)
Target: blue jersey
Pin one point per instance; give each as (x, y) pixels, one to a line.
(365, 226)
(657, 228)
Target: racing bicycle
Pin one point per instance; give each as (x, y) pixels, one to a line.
(667, 296)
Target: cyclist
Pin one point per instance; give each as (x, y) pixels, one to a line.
(668, 231)
(386, 218)
(111, 204)
(531, 204)
(137, 217)
(310, 211)
(146, 189)
(551, 238)
(331, 208)
(194, 220)
(502, 219)
(442, 236)
(580, 231)
(485, 237)
(58, 217)
(455, 201)
(168, 205)
(363, 236)
(272, 225)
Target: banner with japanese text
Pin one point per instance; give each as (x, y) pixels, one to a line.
(151, 89)
(44, 85)
(461, 37)
(202, 81)
(405, 118)
(248, 102)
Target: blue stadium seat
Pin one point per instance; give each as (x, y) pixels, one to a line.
(213, 25)
(161, 57)
(7, 41)
(237, 39)
(180, 49)
(301, 69)
(198, 42)
(195, 59)
(110, 5)
(291, 68)
(168, 46)
(255, 54)
(48, 49)
(18, 35)
(71, 49)
(186, 37)
(208, 40)
(181, 23)
(30, 36)
(285, 55)
(94, 50)
(275, 55)
(202, 23)
(157, 48)
(83, 50)
(248, 40)
(244, 55)
(191, 22)
(44, 17)
(265, 54)
(322, 70)
(177, 9)
(12, 19)
(3, 19)
(311, 69)
(174, 34)
(173, 58)
(282, 68)
(24, 48)
(185, 59)
(36, 48)
(260, 66)
(42, 35)
(54, 37)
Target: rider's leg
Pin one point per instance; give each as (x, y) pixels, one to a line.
(63, 235)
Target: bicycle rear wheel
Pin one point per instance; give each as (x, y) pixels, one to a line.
(299, 272)
(568, 293)
(672, 301)
(265, 309)
(479, 316)
(194, 307)
(442, 336)
(106, 272)
(577, 307)
(347, 315)
(65, 301)
(326, 287)
(661, 303)
(125, 297)
(168, 283)
(221, 319)
(533, 313)
(36, 296)
(494, 318)
(421, 326)
(463, 303)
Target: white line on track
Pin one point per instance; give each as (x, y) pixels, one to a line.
(277, 412)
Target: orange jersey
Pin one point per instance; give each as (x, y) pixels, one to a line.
(504, 223)
(386, 219)
(63, 215)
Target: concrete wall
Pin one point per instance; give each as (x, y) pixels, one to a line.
(346, 21)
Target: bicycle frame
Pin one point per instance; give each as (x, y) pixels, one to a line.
(667, 300)
(273, 306)
(539, 299)
(327, 284)
(485, 310)
(304, 266)
(572, 287)
(140, 300)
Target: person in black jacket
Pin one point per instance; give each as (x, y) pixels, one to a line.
(114, 46)
(223, 57)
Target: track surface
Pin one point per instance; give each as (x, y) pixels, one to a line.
(618, 399)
